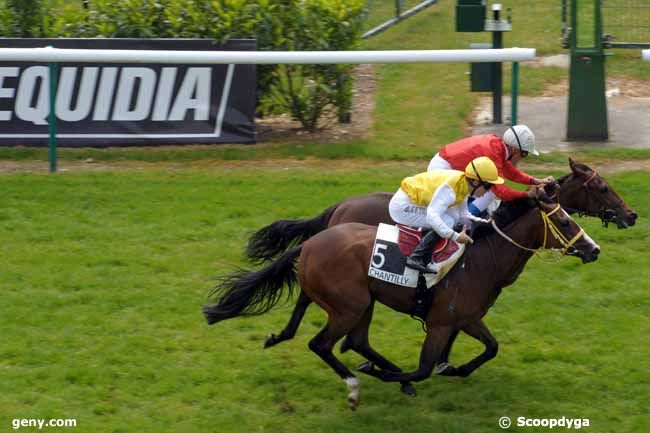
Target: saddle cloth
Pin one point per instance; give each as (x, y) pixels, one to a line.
(394, 243)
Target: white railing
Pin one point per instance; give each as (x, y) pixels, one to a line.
(55, 55)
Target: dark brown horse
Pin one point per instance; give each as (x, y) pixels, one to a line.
(582, 191)
(333, 273)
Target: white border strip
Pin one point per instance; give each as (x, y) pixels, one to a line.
(224, 100)
(53, 55)
(645, 54)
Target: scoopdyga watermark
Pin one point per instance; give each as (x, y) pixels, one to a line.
(563, 422)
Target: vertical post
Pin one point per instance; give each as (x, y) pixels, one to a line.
(587, 109)
(51, 119)
(398, 8)
(497, 69)
(565, 27)
(514, 93)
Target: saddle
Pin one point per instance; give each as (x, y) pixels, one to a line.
(409, 238)
(395, 242)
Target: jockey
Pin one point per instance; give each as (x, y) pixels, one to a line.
(518, 141)
(437, 200)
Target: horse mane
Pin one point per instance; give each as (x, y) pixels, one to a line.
(506, 214)
(563, 179)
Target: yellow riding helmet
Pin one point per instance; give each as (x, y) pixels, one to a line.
(483, 170)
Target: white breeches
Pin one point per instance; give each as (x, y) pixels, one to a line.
(403, 211)
(438, 163)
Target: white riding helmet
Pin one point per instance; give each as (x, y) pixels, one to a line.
(522, 138)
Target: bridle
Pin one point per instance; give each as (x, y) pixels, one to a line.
(606, 214)
(549, 226)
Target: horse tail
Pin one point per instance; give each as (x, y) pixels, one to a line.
(251, 293)
(272, 240)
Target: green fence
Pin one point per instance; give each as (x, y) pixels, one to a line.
(626, 23)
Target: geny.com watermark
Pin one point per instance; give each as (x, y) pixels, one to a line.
(564, 422)
(40, 423)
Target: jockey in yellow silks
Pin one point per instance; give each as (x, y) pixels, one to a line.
(437, 200)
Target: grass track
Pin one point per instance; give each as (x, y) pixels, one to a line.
(104, 273)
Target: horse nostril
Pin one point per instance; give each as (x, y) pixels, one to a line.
(633, 215)
(595, 251)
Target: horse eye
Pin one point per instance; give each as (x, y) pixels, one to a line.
(564, 223)
(604, 189)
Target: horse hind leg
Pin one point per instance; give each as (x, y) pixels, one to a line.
(290, 330)
(322, 345)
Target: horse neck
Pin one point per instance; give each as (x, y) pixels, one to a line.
(510, 259)
(570, 189)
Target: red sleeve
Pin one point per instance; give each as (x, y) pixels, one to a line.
(506, 193)
(512, 173)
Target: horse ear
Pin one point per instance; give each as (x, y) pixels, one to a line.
(572, 164)
(541, 196)
(575, 168)
(552, 188)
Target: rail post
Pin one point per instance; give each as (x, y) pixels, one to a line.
(51, 118)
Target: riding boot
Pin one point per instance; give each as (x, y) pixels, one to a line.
(421, 256)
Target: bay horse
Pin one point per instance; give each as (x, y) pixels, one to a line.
(332, 271)
(582, 191)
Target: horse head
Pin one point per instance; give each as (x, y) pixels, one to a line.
(562, 232)
(584, 191)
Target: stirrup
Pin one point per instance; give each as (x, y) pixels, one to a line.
(432, 268)
(413, 264)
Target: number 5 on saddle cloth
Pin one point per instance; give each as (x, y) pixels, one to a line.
(395, 242)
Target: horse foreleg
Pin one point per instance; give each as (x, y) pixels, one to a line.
(443, 362)
(357, 340)
(481, 332)
(432, 348)
(290, 330)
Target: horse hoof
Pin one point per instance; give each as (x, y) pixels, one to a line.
(443, 369)
(366, 367)
(409, 389)
(270, 341)
(353, 395)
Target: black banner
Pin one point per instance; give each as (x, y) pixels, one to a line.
(128, 104)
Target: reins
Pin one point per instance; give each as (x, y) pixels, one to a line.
(549, 226)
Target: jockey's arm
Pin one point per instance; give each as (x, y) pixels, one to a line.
(506, 193)
(440, 202)
(512, 173)
(466, 217)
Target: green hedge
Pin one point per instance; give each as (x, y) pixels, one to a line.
(305, 91)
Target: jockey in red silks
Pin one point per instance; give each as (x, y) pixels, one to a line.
(518, 141)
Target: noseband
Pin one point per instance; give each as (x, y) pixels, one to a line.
(606, 214)
(549, 226)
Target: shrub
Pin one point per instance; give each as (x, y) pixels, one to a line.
(7, 20)
(305, 91)
(26, 18)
